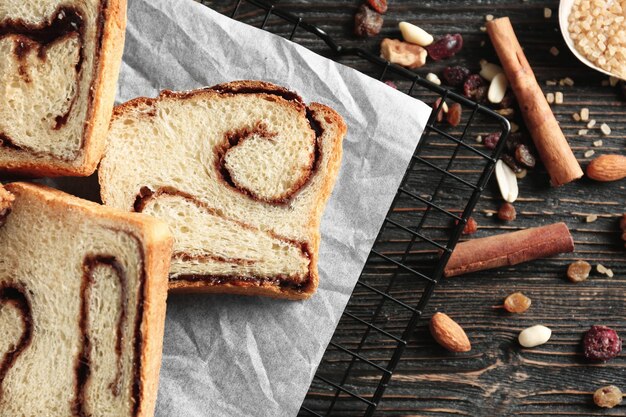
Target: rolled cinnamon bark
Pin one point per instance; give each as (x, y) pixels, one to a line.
(509, 249)
(554, 150)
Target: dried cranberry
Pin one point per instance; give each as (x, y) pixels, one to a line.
(511, 162)
(455, 76)
(454, 114)
(391, 84)
(472, 85)
(379, 5)
(445, 47)
(367, 22)
(470, 227)
(507, 212)
(601, 343)
(491, 140)
(524, 157)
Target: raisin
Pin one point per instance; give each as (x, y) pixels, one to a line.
(454, 114)
(470, 227)
(512, 163)
(367, 22)
(440, 114)
(391, 84)
(513, 140)
(379, 5)
(491, 140)
(507, 212)
(455, 76)
(607, 397)
(524, 157)
(473, 87)
(445, 47)
(578, 271)
(516, 303)
(601, 343)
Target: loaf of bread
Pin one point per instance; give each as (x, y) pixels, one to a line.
(241, 173)
(58, 75)
(82, 307)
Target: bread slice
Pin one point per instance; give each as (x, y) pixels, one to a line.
(58, 75)
(82, 307)
(240, 171)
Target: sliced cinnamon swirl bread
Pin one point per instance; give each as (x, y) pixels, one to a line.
(240, 171)
(82, 307)
(58, 73)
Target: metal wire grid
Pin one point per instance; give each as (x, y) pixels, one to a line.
(424, 266)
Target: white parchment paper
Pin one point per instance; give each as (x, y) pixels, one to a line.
(249, 356)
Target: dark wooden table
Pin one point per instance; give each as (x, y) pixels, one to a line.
(498, 378)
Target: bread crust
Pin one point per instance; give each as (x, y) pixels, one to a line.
(333, 125)
(103, 88)
(157, 244)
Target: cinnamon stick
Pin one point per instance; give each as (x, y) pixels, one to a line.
(509, 249)
(554, 150)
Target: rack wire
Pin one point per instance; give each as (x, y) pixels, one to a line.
(423, 225)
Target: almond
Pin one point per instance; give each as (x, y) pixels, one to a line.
(607, 168)
(449, 334)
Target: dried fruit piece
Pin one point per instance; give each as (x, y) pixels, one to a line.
(491, 140)
(445, 47)
(607, 397)
(507, 101)
(403, 53)
(367, 22)
(470, 227)
(444, 109)
(524, 156)
(578, 271)
(517, 303)
(391, 84)
(507, 212)
(534, 336)
(601, 343)
(379, 5)
(449, 334)
(511, 163)
(415, 34)
(455, 76)
(474, 86)
(454, 114)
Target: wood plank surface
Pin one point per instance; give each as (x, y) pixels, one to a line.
(497, 378)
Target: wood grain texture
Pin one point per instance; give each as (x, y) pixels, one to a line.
(497, 378)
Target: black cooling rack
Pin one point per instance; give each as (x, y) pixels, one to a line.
(422, 227)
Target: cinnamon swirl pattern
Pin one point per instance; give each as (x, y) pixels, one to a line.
(77, 306)
(240, 172)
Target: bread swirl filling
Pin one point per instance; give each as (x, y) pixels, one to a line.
(44, 79)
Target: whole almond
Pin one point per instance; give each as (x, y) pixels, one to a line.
(607, 168)
(449, 334)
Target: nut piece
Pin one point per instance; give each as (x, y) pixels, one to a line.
(607, 397)
(497, 88)
(601, 343)
(578, 271)
(584, 114)
(470, 227)
(415, 34)
(607, 168)
(403, 53)
(6, 201)
(507, 181)
(449, 334)
(534, 336)
(367, 22)
(454, 114)
(516, 303)
(433, 78)
(488, 70)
